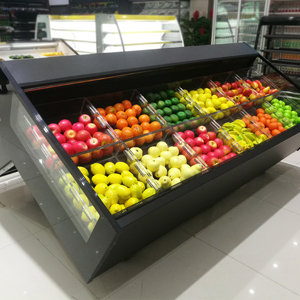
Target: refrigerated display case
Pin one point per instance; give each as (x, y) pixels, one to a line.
(95, 236)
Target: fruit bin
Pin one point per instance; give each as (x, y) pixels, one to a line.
(44, 95)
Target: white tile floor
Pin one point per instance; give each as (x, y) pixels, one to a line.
(245, 247)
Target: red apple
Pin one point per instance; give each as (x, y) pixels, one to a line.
(217, 83)
(222, 159)
(75, 160)
(226, 149)
(54, 128)
(91, 128)
(201, 129)
(189, 134)
(240, 90)
(247, 92)
(69, 148)
(105, 139)
(229, 85)
(209, 84)
(60, 138)
(234, 86)
(82, 135)
(213, 146)
(70, 134)
(179, 147)
(211, 135)
(190, 142)
(182, 135)
(211, 154)
(204, 157)
(92, 143)
(85, 158)
(198, 141)
(72, 141)
(212, 161)
(224, 87)
(80, 147)
(204, 137)
(219, 153)
(254, 84)
(205, 148)
(97, 154)
(98, 134)
(249, 81)
(230, 93)
(219, 142)
(235, 92)
(230, 155)
(85, 119)
(243, 99)
(108, 151)
(197, 149)
(78, 126)
(65, 125)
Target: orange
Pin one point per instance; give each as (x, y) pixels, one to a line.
(119, 107)
(140, 141)
(258, 133)
(101, 111)
(111, 119)
(262, 124)
(130, 112)
(137, 130)
(255, 118)
(130, 144)
(127, 133)
(126, 104)
(155, 126)
(260, 111)
(268, 117)
(121, 124)
(121, 115)
(145, 125)
(148, 138)
(137, 109)
(268, 122)
(110, 110)
(279, 124)
(144, 118)
(119, 133)
(274, 120)
(132, 121)
(281, 128)
(275, 132)
(158, 136)
(260, 115)
(263, 120)
(97, 124)
(273, 126)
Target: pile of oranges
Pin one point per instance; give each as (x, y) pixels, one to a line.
(270, 124)
(128, 122)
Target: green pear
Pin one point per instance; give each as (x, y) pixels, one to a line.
(165, 182)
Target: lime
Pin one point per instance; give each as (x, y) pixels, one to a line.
(150, 97)
(152, 118)
(170, 93)
(167, 111)
(157, 97)
(181, 115)
(188, 113)
(174, 109)
(174, 118)
(168, 102)
(145, 111)
(174, 100)
(154, 105)
(168, 119)
(163, 95)
(160, 104)
(160, 111)
(181, 106)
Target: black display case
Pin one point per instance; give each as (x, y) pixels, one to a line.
(42, 94)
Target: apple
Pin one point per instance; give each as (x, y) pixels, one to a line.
(78, 126)
(84, 119)
(98, 134)
(91, 128)
(254, 84)
(212, 135)
(258, 83)
(182, 135)
(65, 125)
(240, 90)
(189, 134)
(60, 138)
(235, 92)
(68, 148)
(219, 142)
(201, 129)
(204, 137)
(97, 154)
(230, 155)
(209, 84)
(104, 139)
(224, 87)
(85, 158)
(247, 92)
(229, 85)
(108, 151)
(80, 146)
(92, 143)
(204, 157)
(230, 93)
(212, 161)
(75, 160)
(226, 149)
(234, 86)
(237, 98)
(72, 141)
(205, 148)
(249, 81)
(198, 141)
(82, 135)
(54, 128)
(217, 83)
(197, 149)
(222, 159)
(252, 97)
(211, 154)
(190, 142)
(243, 99)
(266, 90)
(213, 146)
(70, 134)
(180, 148)
(219, 153)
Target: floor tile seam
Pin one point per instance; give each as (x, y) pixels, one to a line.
(249, 267)
(284, 208)
(16, 242)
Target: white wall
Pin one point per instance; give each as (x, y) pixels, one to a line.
(201, 6)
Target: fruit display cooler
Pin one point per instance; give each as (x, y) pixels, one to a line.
(118, 149)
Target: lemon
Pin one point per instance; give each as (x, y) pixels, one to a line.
(97, 169)
(201, 104)
(127, 173)
(223, 99)
(193, 92)
(122, 206)
(136, 191)
(129, 180)
(87, 217)
(131, 201)
(123, 193)
(216, 102)
(84, 171)
(69, 190)
(208, 96)
(143, 179)
(63, 180)
(106, 201)
(115, 178)
(112, 195)
(230, 103)
(101, 188)
(133, 169)
(220, 115)
(113, 186)
(99, 178)
(87, 179)
(211, 110)
(209, 103)
(142, 185)
(207, 91)
(121, 167)
(110, 168)
(189, 107)
(79, 202)
(115, 208)
(148, 193)
(214, 97)
(200, 91)
(224, 106)
(202, 98)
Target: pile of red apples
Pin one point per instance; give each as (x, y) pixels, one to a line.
(207, 145)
